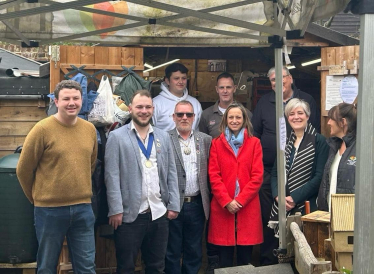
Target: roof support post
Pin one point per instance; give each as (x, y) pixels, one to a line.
(364, 203)
(281, 135)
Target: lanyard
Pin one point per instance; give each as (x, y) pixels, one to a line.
(147, 153)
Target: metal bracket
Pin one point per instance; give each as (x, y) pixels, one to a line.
(54, 52)
(276, 41)
(355, 68)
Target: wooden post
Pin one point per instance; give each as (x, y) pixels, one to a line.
(305, 261)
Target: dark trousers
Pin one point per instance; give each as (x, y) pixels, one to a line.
(185, 239)
(226, 255)
(211, 249)
(149, 236)
(270, 241)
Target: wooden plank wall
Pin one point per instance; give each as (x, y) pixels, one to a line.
(96, 59)
(17, 117)
(334, 56)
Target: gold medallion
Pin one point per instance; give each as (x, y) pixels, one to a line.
(148, 163)
(187, 151)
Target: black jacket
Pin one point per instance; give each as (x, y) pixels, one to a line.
(264, 123)
(346, 170)
(309, 191)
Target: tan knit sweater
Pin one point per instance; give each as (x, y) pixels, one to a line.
(57, 162)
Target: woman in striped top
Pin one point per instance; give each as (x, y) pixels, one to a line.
(306, 154)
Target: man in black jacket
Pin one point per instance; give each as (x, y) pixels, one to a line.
(264, 125)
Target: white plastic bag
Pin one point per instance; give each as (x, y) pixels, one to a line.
(120, 116)
(102, 113)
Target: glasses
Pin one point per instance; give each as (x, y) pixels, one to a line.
(273, 79)
(181, 114)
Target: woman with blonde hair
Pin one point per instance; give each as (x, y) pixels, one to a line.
(236, 172)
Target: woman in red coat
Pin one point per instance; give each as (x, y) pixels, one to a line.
(235, 171)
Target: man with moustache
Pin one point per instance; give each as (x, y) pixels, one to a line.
(54, 169)
(212, 116)
(191, 152)
(264, 126)
(142, 188)
(173, 90)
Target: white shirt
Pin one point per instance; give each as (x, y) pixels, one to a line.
(190, 165)
(223, 110)
(151, 196)
(334, 176)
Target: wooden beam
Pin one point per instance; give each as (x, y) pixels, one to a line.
(100, 67)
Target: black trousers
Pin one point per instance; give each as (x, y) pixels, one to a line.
(149, 236)
(270, 242)
(226, 255)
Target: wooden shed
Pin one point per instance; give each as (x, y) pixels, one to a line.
(342, 221)
(22, 102)
(342, 229)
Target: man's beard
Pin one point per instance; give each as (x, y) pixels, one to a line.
(184, 128)
(139, 123)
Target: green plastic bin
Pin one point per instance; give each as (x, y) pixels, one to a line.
(18, 243)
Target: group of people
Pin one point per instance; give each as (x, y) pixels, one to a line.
(174, 169)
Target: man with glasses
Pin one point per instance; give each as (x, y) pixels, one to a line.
(142, 188)
(264, 125)
(191, 151)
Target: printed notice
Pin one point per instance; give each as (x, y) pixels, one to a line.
(282, 133)
(349, 89)
(333, 91)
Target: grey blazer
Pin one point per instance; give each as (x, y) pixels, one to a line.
(202, 143)
(123, 172)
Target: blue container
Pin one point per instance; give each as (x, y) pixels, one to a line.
(18, 243)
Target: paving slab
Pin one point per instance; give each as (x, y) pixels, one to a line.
(249, 269)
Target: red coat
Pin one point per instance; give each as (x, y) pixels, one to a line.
(224, 169)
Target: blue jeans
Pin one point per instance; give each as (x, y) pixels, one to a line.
(185, 237)
(149, 236)
(76, 222)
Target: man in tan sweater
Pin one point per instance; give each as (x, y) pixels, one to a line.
(55, 169)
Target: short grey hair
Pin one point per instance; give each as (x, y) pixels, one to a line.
(295, 103)
(272, 70)
(184, 102)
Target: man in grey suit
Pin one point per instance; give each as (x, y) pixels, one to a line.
(191, 151)
(142, 188)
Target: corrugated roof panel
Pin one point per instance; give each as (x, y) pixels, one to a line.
(346, 23)
(342, 212)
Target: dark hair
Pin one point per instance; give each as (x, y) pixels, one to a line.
(69, 84)
(184, 102)
(346, 111)
(246, 122)
(141, 92)
(225, 75)
(174, 68)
